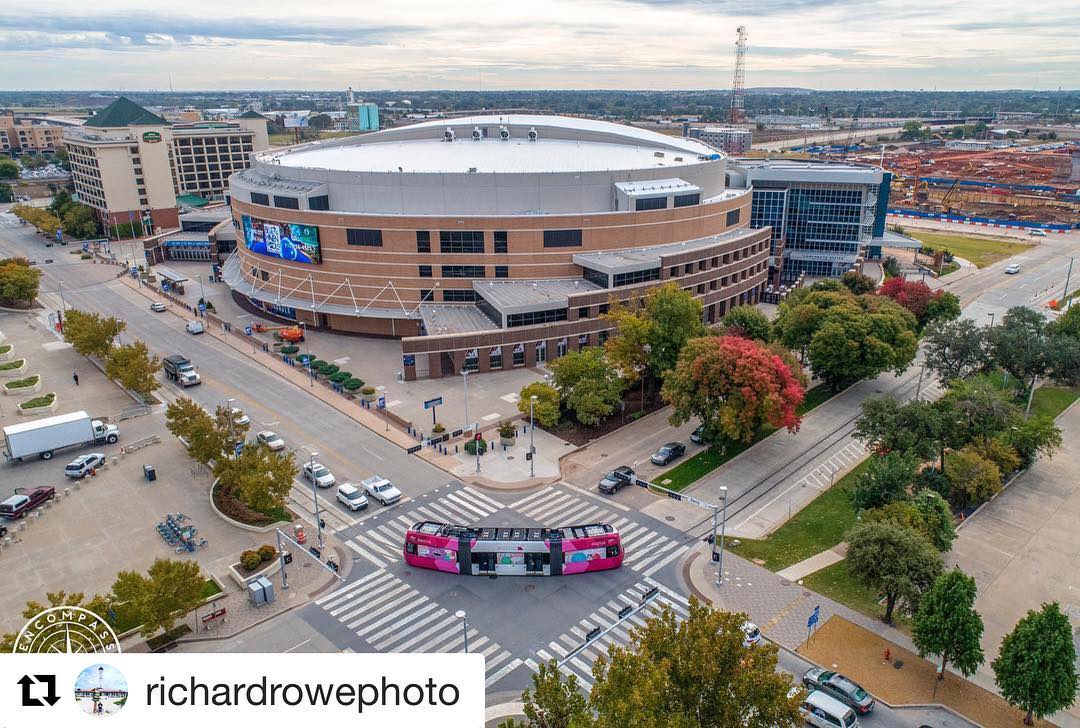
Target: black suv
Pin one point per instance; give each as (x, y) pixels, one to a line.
(616, 479)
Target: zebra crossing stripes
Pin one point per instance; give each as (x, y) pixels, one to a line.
(380, 540)
(559, 508)
(647, 551)
(391, 616)
(580, 663)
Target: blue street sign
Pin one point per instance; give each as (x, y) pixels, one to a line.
(60, 234)
(382, 402)
(428, 404)
(814, 617)
(409, 360)
(248, 330)
(239, 448)
(202, 306)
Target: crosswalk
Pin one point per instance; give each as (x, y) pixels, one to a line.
(380, 539)
(580, 664)
(646, 550)
(391, 616)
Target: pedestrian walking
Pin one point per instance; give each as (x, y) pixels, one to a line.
(75, 378)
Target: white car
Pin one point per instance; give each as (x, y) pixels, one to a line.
(271, 439)
(157, 307)
(81, 466)
(239, 417)
(381, 489)
(195, 327)
(1037, 233)
(353, 498)
(753, 635)
(1013, 269)
(319, 474)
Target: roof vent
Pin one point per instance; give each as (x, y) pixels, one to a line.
(477, 135)
(448, 135)
(532, 134)
(504, 133)
(659, 155)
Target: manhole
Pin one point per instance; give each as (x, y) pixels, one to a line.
(530, 587)
(669, 518)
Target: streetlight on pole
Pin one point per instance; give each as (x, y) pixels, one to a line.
(202, 291)
(460, 614)
(532, 450)
(991, 315)
(723, 524)
(315, 493)
(63, 307)
(232, 422)
(465, 379)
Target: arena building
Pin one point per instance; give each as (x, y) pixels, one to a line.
(489, 242)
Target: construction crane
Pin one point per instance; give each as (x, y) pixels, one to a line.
(291, 334)
(945, 199)
(738, 112)
(851, 132)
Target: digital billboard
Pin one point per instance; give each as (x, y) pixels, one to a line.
(297, 243)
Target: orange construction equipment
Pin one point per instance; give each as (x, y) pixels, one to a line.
(291, 334)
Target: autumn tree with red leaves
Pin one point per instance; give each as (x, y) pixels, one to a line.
(734, 386)
(926, 305)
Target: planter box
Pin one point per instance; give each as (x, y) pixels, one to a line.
(508, 441)
(369, 397)
(16, 373)
(9, 354)
(39, 410)
(24, 391)
(270, 569)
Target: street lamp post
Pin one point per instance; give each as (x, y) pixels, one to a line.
(460, 614)
(202, 291)
(723, 524)
(991, 315)
(465, 379)
(232, 432)
(315, 494)
(532, 450)
(63, 307)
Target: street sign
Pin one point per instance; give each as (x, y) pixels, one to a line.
(429, 403)
(248, 330)
(381, 403)
(715, 555)
(814, 617)
(202, 307)
(239, 448)
(478, 437)
(213, 615)
(409, 360)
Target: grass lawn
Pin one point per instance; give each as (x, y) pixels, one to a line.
(837, 583)
(1052, 401)
(706, 461)
(210, 588)
(817, 527)
(981, 251)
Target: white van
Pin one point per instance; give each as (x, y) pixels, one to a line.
(824, 711)
(195, 327)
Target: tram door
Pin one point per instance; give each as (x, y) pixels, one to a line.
(485, 562)
(534, 563)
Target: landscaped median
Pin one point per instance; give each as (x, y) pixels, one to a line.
(38, 405)
(980, 250)
(23, 387)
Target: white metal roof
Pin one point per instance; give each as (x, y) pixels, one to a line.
(45, 422)
(520, 296)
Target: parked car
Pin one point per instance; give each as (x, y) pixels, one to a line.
(239, 417)
(1013, 269)
(698, 435)
(195, 327)
(1037, 233)
(753, 635)
(271, 439)
(837, 686)
(822, 711)
(616, 479)
(381, 489)
(319, 474)
(353, 498)
(157, 307)
(82, 465)
(668, 452)
(24, 501)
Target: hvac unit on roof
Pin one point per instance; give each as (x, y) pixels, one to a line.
(477, 135)
(448, 135)
(504, 133)
(532, 134)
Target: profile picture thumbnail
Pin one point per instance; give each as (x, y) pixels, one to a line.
(101, 690)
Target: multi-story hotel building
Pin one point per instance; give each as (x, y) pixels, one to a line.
(489, 242)
(130, 164)
(19, 136)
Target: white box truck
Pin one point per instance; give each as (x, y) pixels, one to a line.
(43, 437)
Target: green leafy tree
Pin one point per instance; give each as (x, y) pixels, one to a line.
(99, 605)
(587, 384)
(858, 283)
(894, 560)
(917, 428)
(628, 348)
(553, 702)
(947, 624)
(168, 591)
(955, 349)
(734, 386)
(9, 169)
(132, 367)
(935, 520)
(260, 477)
(1033, 436)
(60, 156)
(1026, 347)
(91, 334)
(977, 408)
(6, 193)
(972, 478)
(676, 318)
(997, 451)
(18, 280)
(796, 325)
(884, 481)
(546, 407)
(207, 439)
(944, 306)
(690, 673)
(1036, 666)
(749, 322)
(79, 222)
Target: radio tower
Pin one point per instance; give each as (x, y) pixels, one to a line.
(738, 114)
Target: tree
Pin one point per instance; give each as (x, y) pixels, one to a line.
(62, 201)
(587, 384)
(205, 437)
(1027, 348)
(972, 478)
(98, 605)
(947, 624)
(943, 306)
(628, 348)
(553, 701)
(676, 318)
(18, 280)
(132, 367)
(912, 131)
(1036, 666)
(918, 428)
(9, 169)
(955, 349)
(169, 591)
(748, 322)
(927, 513)
(894, 560)
(61, 157)
(858, 283)
(925, 305)
(1033, 436)
(546, 408)
(259, 477)
(977, 408)
(6, 193)
(997, 451)
(884, 481)
(320, 121)
(690, 673)
(79, 222)
(91, 334)
(734, 386)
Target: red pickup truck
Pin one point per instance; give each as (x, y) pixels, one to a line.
(25, 500)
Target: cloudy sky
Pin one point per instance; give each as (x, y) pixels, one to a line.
(422, 44)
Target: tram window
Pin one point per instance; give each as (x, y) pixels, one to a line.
(410, 548)
(547, 558)
(612, 551)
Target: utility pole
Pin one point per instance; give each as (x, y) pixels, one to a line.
(723, 525)
(465, 379)
(1065, 293)
(532, 450)
(63, 307)
(315, 494)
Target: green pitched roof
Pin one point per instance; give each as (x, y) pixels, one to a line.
(124, 112)
(251, 115)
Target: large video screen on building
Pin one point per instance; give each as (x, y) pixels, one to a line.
(298, 243)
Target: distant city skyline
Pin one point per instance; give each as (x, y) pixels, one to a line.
(545, 44)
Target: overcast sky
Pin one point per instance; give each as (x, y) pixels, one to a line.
(518, 44)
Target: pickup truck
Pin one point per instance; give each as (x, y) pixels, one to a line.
(180, 369)
(24, 501)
